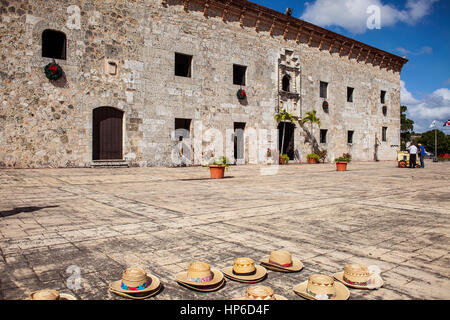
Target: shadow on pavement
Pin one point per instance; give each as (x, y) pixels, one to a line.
(22, 209)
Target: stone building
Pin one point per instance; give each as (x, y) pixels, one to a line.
(143, 77)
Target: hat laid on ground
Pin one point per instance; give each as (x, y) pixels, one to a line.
(260, 293)
(201, 276)
(136, 284)
(48, 294)
(322, 287)
(359, 276)
(281, 260)
(244, 270)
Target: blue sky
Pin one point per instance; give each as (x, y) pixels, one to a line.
(417, 29)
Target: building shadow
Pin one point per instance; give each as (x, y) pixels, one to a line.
(15, 211)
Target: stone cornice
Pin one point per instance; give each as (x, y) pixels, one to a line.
(288, 24)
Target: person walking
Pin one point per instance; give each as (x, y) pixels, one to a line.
(422, 155)
(412, 155)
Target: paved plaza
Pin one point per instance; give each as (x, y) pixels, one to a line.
(161, 219)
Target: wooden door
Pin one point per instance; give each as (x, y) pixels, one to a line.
(107, 134)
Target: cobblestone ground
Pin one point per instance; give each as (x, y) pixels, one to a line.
(103, 220)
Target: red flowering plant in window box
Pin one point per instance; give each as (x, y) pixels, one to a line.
(53, 71)
(241, 94)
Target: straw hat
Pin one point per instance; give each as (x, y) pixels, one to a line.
(136, 284)
(322, 287)
(359, 276)
(48, 294)
(244, 270)
(200, 274)
(261, 293)
(281, 260)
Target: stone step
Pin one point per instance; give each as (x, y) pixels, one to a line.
(109, 164)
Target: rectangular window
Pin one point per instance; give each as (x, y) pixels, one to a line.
(384, 134)
(323, 89)
(323, 135)
(239, 74)
(350, 136)
(349, 94)
(383, 96)
(183, 65)
(54, 44)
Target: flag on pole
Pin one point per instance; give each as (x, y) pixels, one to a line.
(447, 123)
(433, 124)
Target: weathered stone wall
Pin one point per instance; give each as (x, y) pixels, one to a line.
(49, 123)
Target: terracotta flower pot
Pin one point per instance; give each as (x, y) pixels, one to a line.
(217, 171)
(341, 166)
(312, 160)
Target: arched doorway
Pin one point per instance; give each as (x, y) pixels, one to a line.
(107, 132)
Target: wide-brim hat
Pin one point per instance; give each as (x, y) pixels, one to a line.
(260, 273)
(296, 264)
(207, 288)
(378, 281)
(277, 297)
(259, 291)
(342, 292)
(132, 282)
(47, 294)
(137, 295)
(203, 269)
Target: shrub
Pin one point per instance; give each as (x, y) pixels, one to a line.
(347, 157)
(313, 156)
(221, 162)
(285, 157)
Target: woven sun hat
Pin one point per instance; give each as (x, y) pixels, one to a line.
(245, 270)
(322, 287)
(360, 276)
(282, 260)
(200, 274)
(260, 293)
(48, 294)
(136, 284)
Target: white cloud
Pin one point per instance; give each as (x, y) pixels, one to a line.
(422, 51)
(434, 106)
(352, 14)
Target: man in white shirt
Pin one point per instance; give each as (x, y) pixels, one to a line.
(412, 155)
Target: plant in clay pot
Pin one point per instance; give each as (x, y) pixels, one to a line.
(341, 162)
(313, 158)
(217, 167)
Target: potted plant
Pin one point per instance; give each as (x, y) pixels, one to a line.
(341, 162)
(218, 166)
(313, 158)
(284, 159)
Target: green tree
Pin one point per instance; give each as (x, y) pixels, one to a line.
(284, 116)
(443, 141)
(313, 119)
(406, 127)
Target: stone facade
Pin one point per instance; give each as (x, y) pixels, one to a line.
(50, 123)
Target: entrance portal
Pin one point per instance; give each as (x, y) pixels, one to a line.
(239, 150)
(107, 134)
(288, 145)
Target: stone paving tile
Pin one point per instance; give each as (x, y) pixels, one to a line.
(103, 220)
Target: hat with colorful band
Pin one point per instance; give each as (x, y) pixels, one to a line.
(200, 274)
(136, 283)
(282, 260)
(322, 287)
(360, 277)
